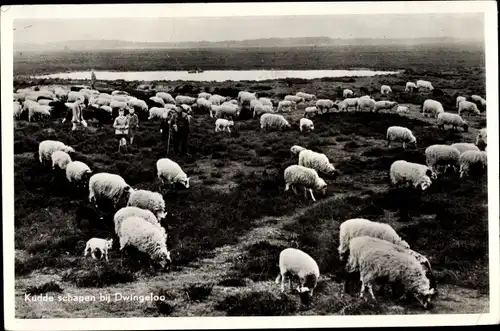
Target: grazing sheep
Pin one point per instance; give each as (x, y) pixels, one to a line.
(226, 110)
(166, 97)
(119, 98)
(317, 161)
(296, 263)
(441, 155)
(182, 99)
(145, 199)
(347, 93)
(108, 109)
(451, 119)
(158, 101)
(463, 147)
(98, 244)
(245, 97)
(286, 104)
(306, 124)
(108, 186)
(358, 227)
(476, 98)
(146, 237)
(100, 101)
(204, 95)
(18, 110)
(216, 99)
(296, 149)
(47, 147)
(324, 105)
(468, 106)
(310, 112)
(170, 172)
(39, 111)
(400, 134)
(384, 104)
(366, 102)
(481, 139)
(77, 172)
(472, 159)
(138, 104)
(262, 109)
(204, 105)
(402, 109)
(348, 103)
(410, 86)
(61, 159)
(385, 89)
(273, 121)
(223, 125)
(266, 101)
(254, 103)
(157, 112)
(374, 260)
(432, 107)
(414, 174)
(460, 99)
(294, 98)
(306, 96)
(426, 85)
(297, 175)
(129, 211)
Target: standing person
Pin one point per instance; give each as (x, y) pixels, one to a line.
(121, 129)
(133, 124)
(92, 79)
(180, 125)
(77, 114)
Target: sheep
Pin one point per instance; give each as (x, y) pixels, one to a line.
(254, 103)
(146, 237)
(317, 161)
(286, 104)
(223, 125)
(204, 105)
(182, 99)
(310, 112)
(417, 175)
(226, 110)
(366, 102)
(216, 99)
(129, 211)
(118, 92)
(306, 96)
(98, 244)
(426, 85)
(294, 98)
(18, 110)
(73, 96)
(77, 172)
(118, 105)
(385, 89)
(468, 106)
(204, 95)
(358, 227)
(166, 97)
(99, 101)
(266, 101)
(158, 101)
(262, 109)
(245, 97)
(470, 159)
(410, 86)
(157, 112)
(402, 109)
(306, 124)
(348, 103)
(400, 133)
(478, 99)
(451, 119)
(296, 149)
(149, 200)
(481, 139)
(463, 147)
(61, 159)
(324, 105)
(137, 103)
(380, 260)
(41, 111)
(273, 121)
(296, 263)
(347, 93)
(119, 98)
(433, 107)
(384, 104)
(441, 155)
(45, 102)
(47, 147)
(34, 95)
(460, 99)
(297, 175)
(110, 186)
(107, 109)
(61, 92)
(170, 172)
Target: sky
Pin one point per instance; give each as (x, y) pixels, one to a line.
(466, 26)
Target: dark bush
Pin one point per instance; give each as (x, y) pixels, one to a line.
(258, 304)
(44, 288)
(198, 292)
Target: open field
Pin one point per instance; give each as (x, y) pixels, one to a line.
(227, 230)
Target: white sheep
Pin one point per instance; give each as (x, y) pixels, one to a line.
(119, 98)
(39, 111)
(441, 155)
(77, 172)
(384, 104)
(98, 244)
(99, 101)
(482, 138)
(358, 227)
(424, 84)
(18, 110)
(158, 100)
(469, 107)
(463, 147)
(204, 105)
(61, 159)
(402, 109)
(273, 121)
(107, 108)
(348, 103)
(45, 102)
(306, 124)
(47, 147)
(374, 260)
(460, 99)
(118, 92)
(74, 95)
(310, 112)
(118, 104)
(414, 174)
(216, 99)
(410, 86)
(222, 124)
(140, 104)
(108, 186)
(385, 89)
(166, 97)
(477, 98)
(297, 175)
(245, 97)
(204, 95)
(170, 172)
(182, 99)
(454, 120)
(400, 134)
(226, 110)
(432, 107)
(254, 103)
(296, 263)
(470, 159)
(286, 104)
(317, 161)
(146, 237)
(294, 98)
(366, 102)
(157, 112)
(126, 212)
(347, 93)
(149, 200)
(262, 109)
(266, 101)
(306, 96)
(324, 105)
(296, 149)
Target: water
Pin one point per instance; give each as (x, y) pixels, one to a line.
(217, 75)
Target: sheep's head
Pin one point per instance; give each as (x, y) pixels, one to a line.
(109, 243)
(425, 297)
(164, 258)
(425, 183)
(185, 182)
(69, 149)
(404, 244)
(465, 125)
(413, 141)
(231, 123)
(321, 186)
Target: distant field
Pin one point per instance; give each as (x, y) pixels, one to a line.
(430, 58)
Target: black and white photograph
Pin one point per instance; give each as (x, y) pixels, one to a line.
(283, 164)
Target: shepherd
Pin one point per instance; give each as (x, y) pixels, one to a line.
(92, 79)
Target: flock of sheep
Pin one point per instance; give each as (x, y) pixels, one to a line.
(374, 250)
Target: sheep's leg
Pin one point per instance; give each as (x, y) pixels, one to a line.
(362, 291)
(228, 130)
(294, 190)
(370, 290)
(85, 251)
(388, 143)
(282, 283)
(106, 255)
(404, 145)
(287, 187)
(278, 279)
(312, 195)
(92, 252)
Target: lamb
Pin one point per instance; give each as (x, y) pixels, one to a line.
(349, 102)
(297, 175)
(166, 97)
(267, 101)
(324, 105)
(77, 172)
(433, 107)
(306, 96)
(347, 93)
(296, 149)
(157, 112)
(472, 159)
(375, 260)
(149, 200)
(481, 139)
(358, 227)
(170, 172)
(158, 101)
(463, 147)
(61, 159)
(39, 111)
(129, 211)
(98, 244)
(478, 99)
(223, 125)
(47, 147)
(417, 175)
(226, 110)
(452, 119)
(296, 263)
(400, 133)
(286, 104)
(317, 161)
(366, 102)
(310, 112)
(410, 86)
(245, 97)
(294, 98)
(262, 109)
(441, 155)
(146, 237)
(204, 95)
(273, 121)
(426, 85)
(182, 99)
(468, 106)
(402, 109)
(460, 99)
(109, 186)
(384, 104)
(306, 124)
(385, 89)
